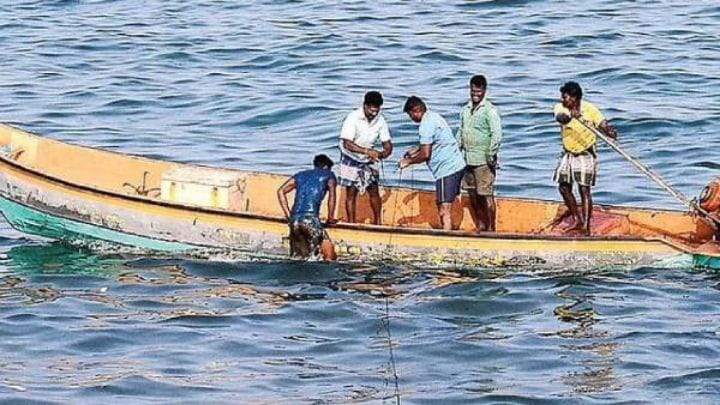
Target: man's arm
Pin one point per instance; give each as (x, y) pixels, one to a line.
(608, 129)
(420, 155)
(332, 199)
(287, 187)
(458, 134)
(371, 153)
(384, 136)
(495, 136)
(387, 149)
(562, 114)
(347, 134)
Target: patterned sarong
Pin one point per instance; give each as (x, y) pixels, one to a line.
(356, 174)
(306, 235)
(581, 168)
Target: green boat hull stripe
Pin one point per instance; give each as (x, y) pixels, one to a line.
(709, 262)
(34, 222)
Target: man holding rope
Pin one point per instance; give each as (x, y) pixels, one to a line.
(578, 164)
(438, 147)
(358, 156)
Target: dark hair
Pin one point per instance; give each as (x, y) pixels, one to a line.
(478, 81)
(412, 102)
(322, 161)
(572, 89)
(373, 98)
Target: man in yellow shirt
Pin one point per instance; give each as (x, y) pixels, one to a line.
(578, 163)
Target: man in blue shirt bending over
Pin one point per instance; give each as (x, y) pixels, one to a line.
(307, 234)
(439, 148)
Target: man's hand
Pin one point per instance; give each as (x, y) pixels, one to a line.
(411, 152)
(609, 130)
(492, 162)
(613, 133)
(404, 162)
(563, 118)
(373, 154)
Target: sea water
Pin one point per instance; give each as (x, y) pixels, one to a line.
(265, 85)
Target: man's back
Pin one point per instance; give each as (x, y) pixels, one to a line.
(311, 186)
(446, 158)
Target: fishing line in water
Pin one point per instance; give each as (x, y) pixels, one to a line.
(385, 319)
(382, 181)
(394, 215)
(393, 366)
(412, 187)
(395, 206)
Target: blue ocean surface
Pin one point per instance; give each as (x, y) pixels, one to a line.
(265, 85)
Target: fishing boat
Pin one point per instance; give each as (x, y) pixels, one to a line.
(76, 193)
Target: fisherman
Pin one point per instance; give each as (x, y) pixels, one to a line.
(438, 147)
(578, 119)
(358, 158)
(479, 137)
(307, 234)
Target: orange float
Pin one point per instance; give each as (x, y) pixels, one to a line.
(710, 196)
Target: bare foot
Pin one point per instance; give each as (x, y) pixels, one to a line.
(575, 225)
(480, 227)
(573, 232)
(552, 226)
(558, 220)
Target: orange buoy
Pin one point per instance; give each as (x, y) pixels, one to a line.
(710, 196)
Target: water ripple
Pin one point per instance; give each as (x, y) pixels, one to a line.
(242, 84)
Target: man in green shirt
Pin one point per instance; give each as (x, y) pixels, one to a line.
(479, 137)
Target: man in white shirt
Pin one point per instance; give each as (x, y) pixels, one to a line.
(358, 170)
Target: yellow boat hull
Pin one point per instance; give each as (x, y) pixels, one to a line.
(129, 200)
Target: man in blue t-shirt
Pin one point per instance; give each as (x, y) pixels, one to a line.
(306, 231)
(439, 148)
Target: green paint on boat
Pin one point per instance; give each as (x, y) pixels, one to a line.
(34, 222)
(709, 262)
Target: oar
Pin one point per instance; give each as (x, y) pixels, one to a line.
(646, 170)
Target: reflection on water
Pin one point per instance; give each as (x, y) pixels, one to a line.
(59, 258)
(592, 350)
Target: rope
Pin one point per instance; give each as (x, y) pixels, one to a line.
(646, 170)
(412, 186)
(386, 318)
(381, 182)
(386, 324)
(394, 216)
